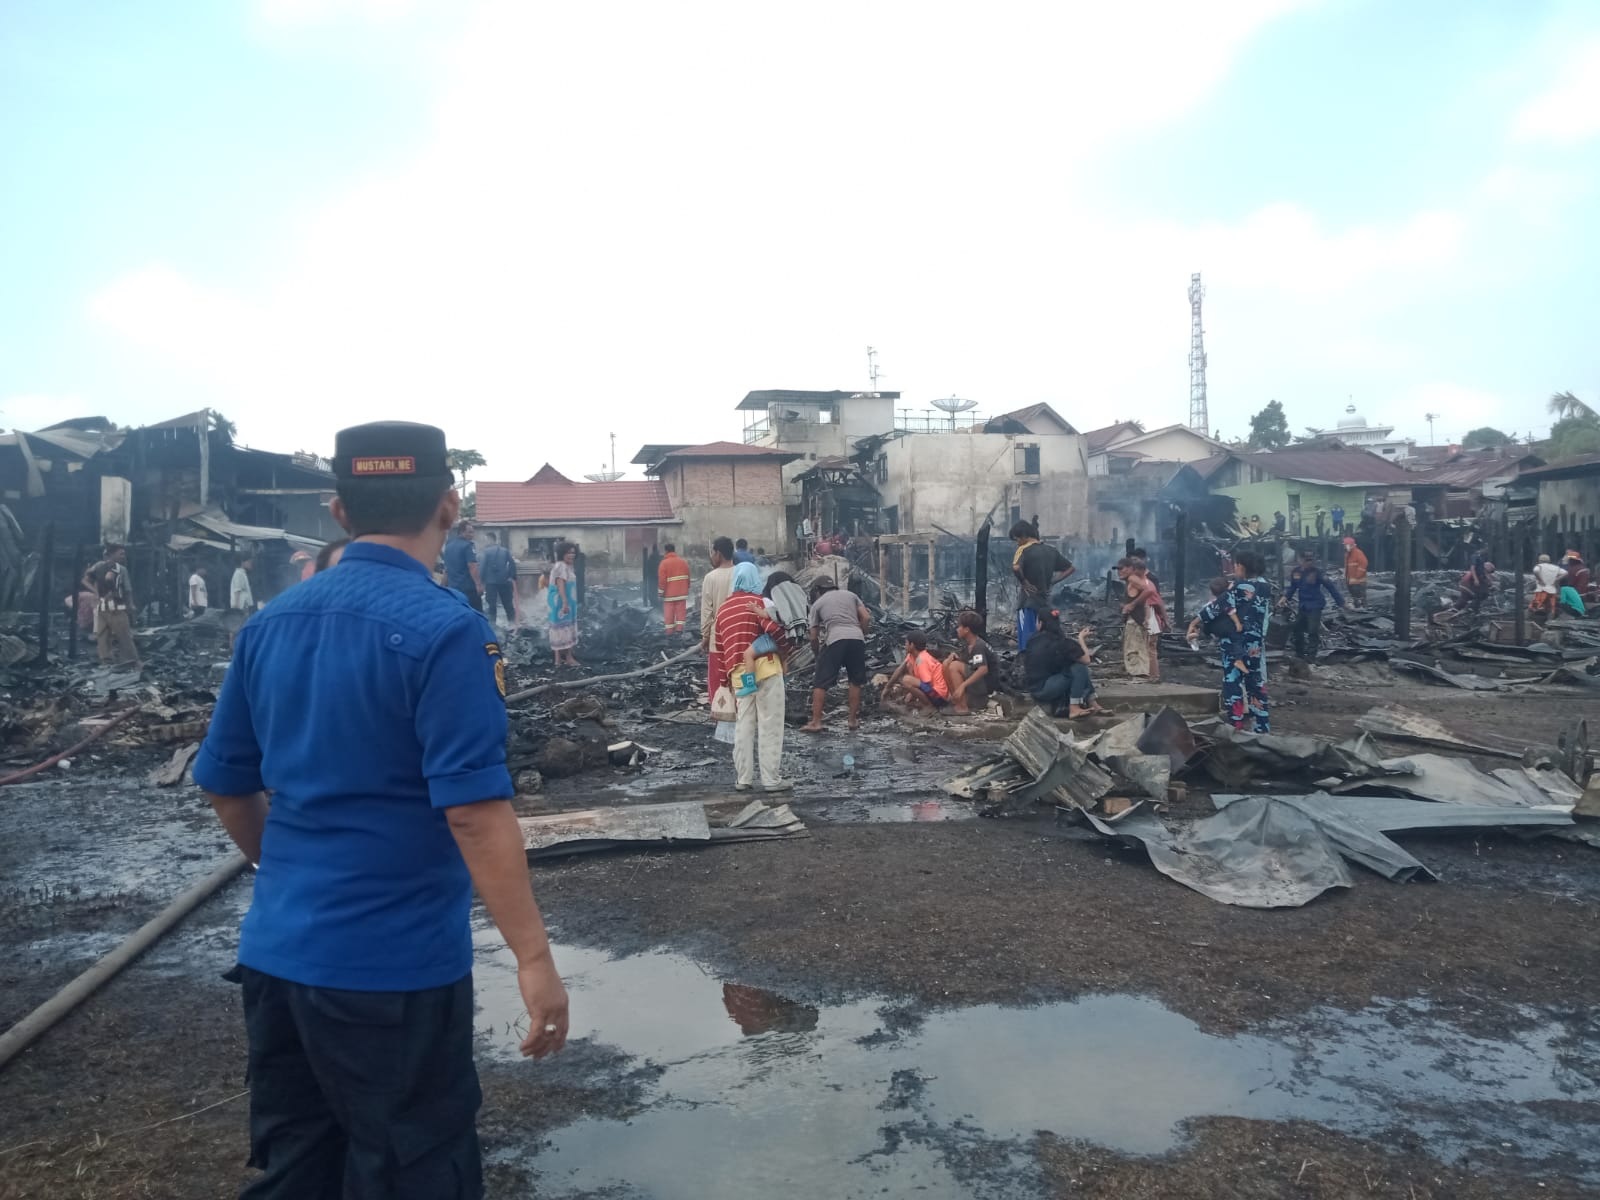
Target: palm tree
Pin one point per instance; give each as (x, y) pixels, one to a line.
(1563, 405)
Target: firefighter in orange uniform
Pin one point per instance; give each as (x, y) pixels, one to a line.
(673, 576)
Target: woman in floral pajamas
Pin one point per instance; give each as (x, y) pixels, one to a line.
(1244, 663)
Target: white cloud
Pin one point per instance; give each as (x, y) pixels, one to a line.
(1567, 111)
(642, 218)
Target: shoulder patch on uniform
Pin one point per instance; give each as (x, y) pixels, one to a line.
(492, 649)
(500, 676)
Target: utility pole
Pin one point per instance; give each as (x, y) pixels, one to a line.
(1199, 420)
(872, 368)
(1430, 418)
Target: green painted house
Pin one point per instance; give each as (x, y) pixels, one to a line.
(1298, 481)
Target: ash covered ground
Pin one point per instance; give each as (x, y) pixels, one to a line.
(909, 1001)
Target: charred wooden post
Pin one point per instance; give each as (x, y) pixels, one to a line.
(981, 570)
(1180, 566)
(47, 561)
(72, 620)
(1402, 578)
(1521, 601)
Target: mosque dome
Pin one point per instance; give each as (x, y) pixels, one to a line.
(1351, 419)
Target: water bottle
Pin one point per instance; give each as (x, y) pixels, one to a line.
(849, 764)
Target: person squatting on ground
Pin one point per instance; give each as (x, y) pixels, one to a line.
(919, 680)
(113, 614)
(972, 669)
(498, 571)
(369, 704)
(1145, 619)
(1244, 702)
(1056, 669)
(461, 564)
(715, 589)
(839, 623)
(1355, 573)
(672, 577)
(742, 619)
(1306, 586)
(1547, 580)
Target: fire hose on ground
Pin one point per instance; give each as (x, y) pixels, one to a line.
(26, 1031)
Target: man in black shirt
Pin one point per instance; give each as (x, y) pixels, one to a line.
(971, 670)
(1039, 567)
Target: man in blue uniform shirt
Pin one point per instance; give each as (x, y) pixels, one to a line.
(369, 703)
(461, 564)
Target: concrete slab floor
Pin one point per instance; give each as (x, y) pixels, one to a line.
(1127, 696)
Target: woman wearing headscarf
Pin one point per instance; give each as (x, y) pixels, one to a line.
(741, 619)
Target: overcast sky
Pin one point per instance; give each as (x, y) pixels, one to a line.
(536, 223)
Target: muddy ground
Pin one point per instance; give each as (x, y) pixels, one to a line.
(908, 1002)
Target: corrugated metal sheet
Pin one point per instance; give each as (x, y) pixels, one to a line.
(730, 450)
(1346, 467)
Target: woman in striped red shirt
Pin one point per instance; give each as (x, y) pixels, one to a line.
(743, 618)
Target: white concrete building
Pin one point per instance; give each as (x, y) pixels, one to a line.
(1353, 430)
(952, 480)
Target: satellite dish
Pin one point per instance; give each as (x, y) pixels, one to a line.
(953, 406)
(604, 477)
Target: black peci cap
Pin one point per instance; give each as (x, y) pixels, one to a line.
(390, 450)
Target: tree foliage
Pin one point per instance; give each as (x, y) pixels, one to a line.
(1564, 406)
(462, 462)
(1573, 435)
(1269, 428)
(1485, 437)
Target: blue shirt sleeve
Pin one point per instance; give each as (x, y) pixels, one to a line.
(461, 717)
(229, 762)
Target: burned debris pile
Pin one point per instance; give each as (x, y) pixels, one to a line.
(1318, 803)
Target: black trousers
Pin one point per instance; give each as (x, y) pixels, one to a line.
(474, 597)
(361, 1095)
(1308, 632)
(503, 593)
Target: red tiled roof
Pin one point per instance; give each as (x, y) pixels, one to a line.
(623, 502)
(729, 450)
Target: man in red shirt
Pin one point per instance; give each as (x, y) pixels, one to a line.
(741, 619)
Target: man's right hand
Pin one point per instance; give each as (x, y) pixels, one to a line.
(546, 999)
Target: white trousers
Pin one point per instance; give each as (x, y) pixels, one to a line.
(760, 718)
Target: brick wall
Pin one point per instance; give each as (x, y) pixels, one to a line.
(729, 483)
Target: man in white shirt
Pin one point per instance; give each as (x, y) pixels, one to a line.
(241, 600)
(198, 598)
(1547, 579)
(715, 589)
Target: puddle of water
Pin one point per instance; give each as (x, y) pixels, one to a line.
(850, 1101)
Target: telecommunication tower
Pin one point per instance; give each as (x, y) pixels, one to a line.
(1199, 421)
(872, 368)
